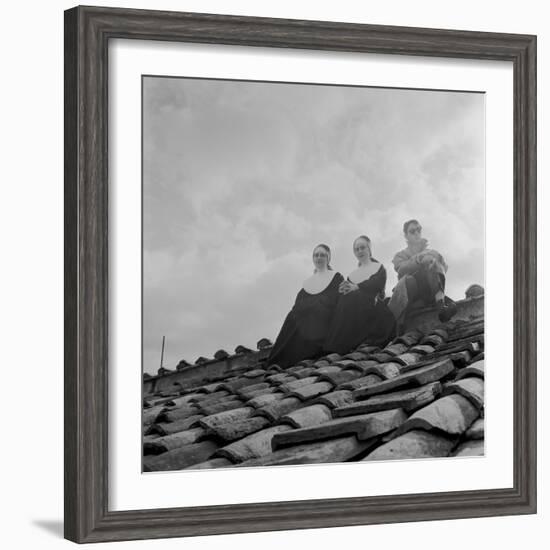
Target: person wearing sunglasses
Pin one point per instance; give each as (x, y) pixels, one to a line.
(305, 327)
(361, 315)
(421, 277)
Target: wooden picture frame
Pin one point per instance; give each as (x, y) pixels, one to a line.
(87, 34)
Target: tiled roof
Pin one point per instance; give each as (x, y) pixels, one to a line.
(420, 396)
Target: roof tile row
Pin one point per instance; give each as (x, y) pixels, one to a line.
(421, 396)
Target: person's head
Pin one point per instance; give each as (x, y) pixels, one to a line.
(362, 249)
(321, 257)
(412, 231)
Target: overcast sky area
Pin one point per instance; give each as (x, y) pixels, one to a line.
(242, 179)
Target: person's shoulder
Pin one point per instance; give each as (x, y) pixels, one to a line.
(381, 268)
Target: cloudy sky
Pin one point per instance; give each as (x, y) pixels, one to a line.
(242, 179)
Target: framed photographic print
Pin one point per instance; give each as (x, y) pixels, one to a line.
(300, 274)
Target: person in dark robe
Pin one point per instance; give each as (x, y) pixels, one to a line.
(305, 327)
(361, 315)
(421, 277)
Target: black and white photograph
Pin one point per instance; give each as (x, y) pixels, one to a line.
(313, 273)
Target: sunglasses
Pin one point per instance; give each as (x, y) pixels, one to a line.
(320, 255)
(415, 230)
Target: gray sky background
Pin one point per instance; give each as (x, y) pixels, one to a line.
(242, 179)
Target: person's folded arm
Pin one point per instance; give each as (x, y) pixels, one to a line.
(405, 266)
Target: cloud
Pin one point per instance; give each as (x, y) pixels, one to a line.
(242, 180)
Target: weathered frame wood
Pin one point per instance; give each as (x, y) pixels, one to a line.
(87, 34)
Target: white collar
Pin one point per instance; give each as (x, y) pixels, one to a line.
(318, 282)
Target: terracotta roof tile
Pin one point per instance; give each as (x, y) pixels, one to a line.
(334, 399)
(150, 415)
(409, 338)
(295, 384)
(384, 370)
(444, 334)
(224, 404)
(280, 378)
(381, 357)
(294, 368)
(241, 382)
(255, 373)
(363, 382)
(472, 388)
(181, 458)
(264, 343)
(467, 331)
(345, 363)
(474, 369)
(311, 391)
(306, 363)
(329, 369)
(408, 400)
(252, 446)
(185, 399)
(340, 449)
(304, 372)
(242, 349)
(361, 366)
(355, 356)
(163, 428)
(452, 414)
(461, 358)
(205, 398)
(422, 349)
(340, 377)
(171, 415)
(362, 426)
(307, 416)
(264, 399)
(258, 393)
(273, 369)
(221, 354)
(252, 391)
(239, 428)
(367, 349)
(418, 377)
(173, 441)
(473, 346)
(163, 400)
(476, 430)
(215, 422)
(407, 358)
(273, 411)
(413, 444)
(432, 340)
(396, 349)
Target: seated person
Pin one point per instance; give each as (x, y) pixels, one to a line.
(421, 276)
(361, 315)
(305, 327)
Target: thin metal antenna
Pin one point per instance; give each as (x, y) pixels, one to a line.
(162, 353)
